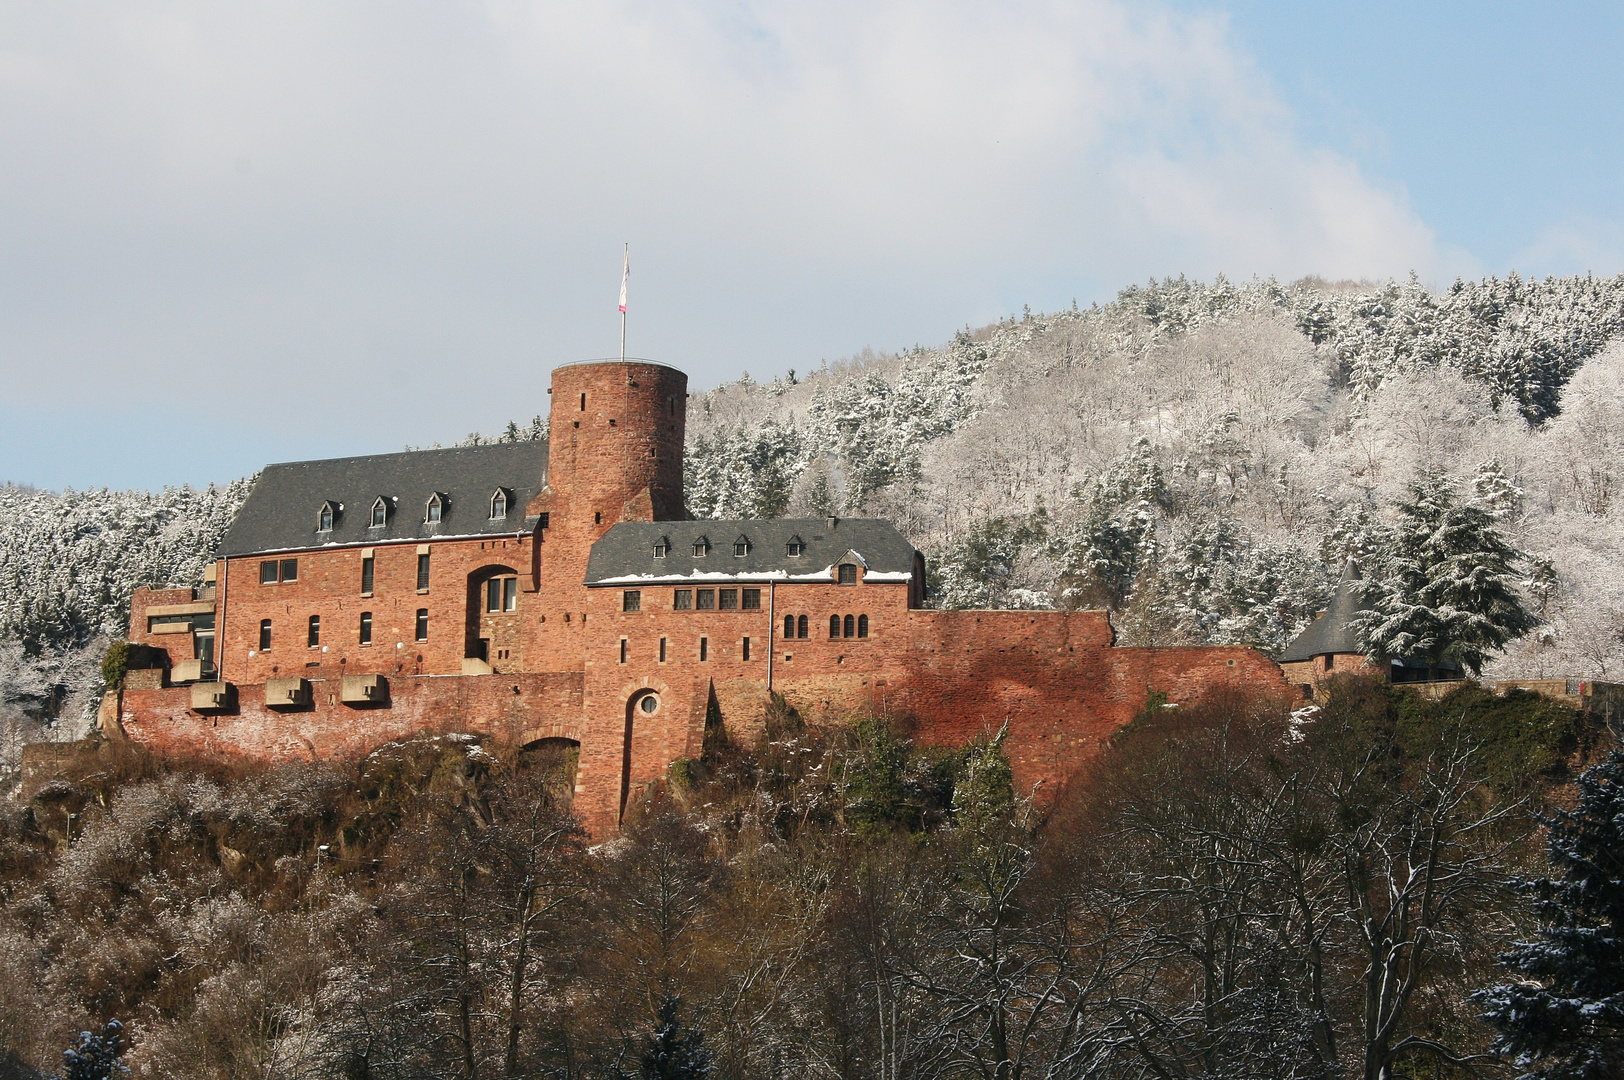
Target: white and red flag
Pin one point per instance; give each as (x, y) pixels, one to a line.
(625, 275)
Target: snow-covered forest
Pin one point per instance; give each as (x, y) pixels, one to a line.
(1200, 458)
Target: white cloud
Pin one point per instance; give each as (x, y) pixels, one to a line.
(366, 199)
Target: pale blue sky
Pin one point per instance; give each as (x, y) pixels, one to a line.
(237, 234)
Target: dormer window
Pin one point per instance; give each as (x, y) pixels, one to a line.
(436, 509)
(795, 548)
(741, 547)
(380, 513)
(701, 547)
(499, 504)
(324, 518)
(662, 547)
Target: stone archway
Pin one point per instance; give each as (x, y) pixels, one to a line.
(644, 704)
(558, 761)
(493, 632)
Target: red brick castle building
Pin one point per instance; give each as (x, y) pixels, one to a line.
(558, 591)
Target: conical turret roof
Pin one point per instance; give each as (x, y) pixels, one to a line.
(1330, 633)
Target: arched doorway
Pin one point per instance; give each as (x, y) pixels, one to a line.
(553, 762)
(643, 705)
(493, 617)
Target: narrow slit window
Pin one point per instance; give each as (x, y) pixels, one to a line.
(744, 649)
(662, 650)
(850, 628)
(423, 572)
(622, 650)
(704, 648)
(422, 627)
(366, 628)
(862, 626)
(631, 600)
(682, 600)
(800, 627)
(313, 639)
(367, 570)
(583, 402)
(834, 626)
(264, 634)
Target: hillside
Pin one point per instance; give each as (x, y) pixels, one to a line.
(1198, 457)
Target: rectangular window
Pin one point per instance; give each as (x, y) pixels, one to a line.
(750, 599)
(662, 650)
(848, 573)
(422, 624)
(366, 576)
(510, 594)
(366, 628)
(314, 637)
(622, 650)
(290, 570)
(682, 600)
(727, 599)
(422, 573)
(546, 520)
(264, 634)
(267, 572)
(705, 599)
(631, 600)
(493, 594)
(704, 648)
(744, 650)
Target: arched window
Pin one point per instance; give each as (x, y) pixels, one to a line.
(662, 547)
(499, 504)
(851, 627)
(862, 626)
(789, 626)
(800, 627)
(701, 547)
(380, 513)
(324, 519)
(795, 548)
(436, 509)
(834, 626)
(741, 547)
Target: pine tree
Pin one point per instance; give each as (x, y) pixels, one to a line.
(98, 1055)
(1567, 1023)
(675, 1052)
(1447, 593)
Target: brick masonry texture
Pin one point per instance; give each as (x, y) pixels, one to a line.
(569, 663)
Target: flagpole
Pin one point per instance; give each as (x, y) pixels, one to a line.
(626, 255)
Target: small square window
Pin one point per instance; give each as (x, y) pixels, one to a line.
(705, 599)
(682, 600)
(727, 599)
(290, 570)
(267, 572)
(750, 599)
(631, 600)
(795, 548)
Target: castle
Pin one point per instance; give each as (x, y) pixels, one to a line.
(558, 590)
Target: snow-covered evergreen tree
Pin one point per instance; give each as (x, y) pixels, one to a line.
(1445, 590)
(675, 1052)
(1564, 1019)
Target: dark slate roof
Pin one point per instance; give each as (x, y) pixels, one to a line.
(1330, 632)
(625, 554)
(282, 511)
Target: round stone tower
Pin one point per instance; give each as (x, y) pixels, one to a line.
(615, 445)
